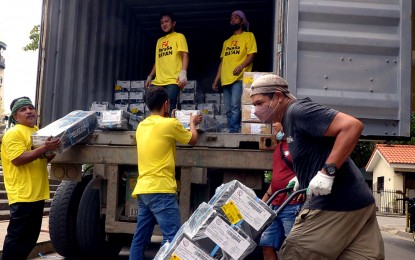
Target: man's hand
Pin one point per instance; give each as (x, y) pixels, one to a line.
(148, 81)
(196, 119)
(52, 144)
(294, 184)
(182, 81)
(320, 185)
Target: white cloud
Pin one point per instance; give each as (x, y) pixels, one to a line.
(17, 18)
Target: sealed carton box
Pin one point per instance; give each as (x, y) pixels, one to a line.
(249, 77)
(248, 114)
(137, 85)
(256, 128)
(122, 85)
(246, 96)
(70, 129)
(184, 116)
(114, 120)
(240, 205)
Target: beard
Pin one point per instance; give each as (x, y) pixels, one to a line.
(235, 27)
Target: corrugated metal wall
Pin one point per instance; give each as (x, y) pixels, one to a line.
(85, 53)
(354, 56)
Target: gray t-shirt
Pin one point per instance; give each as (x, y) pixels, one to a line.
(304, 125)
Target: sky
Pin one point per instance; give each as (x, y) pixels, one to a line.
(17, 18)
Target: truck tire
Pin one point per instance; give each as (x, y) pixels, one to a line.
(90, 228)
(62, 217)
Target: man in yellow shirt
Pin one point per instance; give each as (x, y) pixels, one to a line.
(172, 59)
(236, 58)
(156, 189)
(25, 178)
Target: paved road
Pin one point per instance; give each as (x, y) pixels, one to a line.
(397, 247)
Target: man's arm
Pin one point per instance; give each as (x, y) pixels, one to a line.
(194, 121)
(217, 78)
(29, 156)
(347, 131)
(249, 59)
(150, 77)
(185, 60)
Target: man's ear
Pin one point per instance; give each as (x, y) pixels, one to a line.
(279, 96)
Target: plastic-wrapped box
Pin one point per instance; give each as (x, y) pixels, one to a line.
(114, 119)
(70, 129)
(184, 116)
(182, 247)
(216, 236)
(240, 205)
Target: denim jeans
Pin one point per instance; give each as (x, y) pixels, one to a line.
(23, 230)
(155, 208)
(275, 234)
(232, 99)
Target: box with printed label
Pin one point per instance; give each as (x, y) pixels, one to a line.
(248, 114)
(214, 234)
(137, 85)
(184, 117)
(187, 97)
(256, 128)
(121, 96)
(70, 129)
(240, 205)
(137, 108)
(246, 96)
(212, 98)
(188, 106)
(122, 85)
(190, 87)
(136, 96)
(114, 119)
(208, 108)
(131, 207)
(250, 77)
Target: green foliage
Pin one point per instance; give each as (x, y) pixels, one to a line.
(34, 39)
(267, 176)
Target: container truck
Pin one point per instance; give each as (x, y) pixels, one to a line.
(354, 56)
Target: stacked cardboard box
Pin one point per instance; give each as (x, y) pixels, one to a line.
(187, 96)
(70, 129)
(250, 123)
(224, 228)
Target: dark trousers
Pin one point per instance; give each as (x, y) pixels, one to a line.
(23, 230)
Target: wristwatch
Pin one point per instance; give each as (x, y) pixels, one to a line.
(330, 169)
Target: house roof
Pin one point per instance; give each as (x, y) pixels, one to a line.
(394, 155)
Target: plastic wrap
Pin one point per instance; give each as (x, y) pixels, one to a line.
(114, 120)
(240, 206)
(70, 129)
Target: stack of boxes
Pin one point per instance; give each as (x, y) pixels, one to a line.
(224, 228)
(187, 96)
(250, 123)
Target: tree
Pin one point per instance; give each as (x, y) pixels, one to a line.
(34, 39)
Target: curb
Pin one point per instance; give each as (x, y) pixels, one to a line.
(400, 233)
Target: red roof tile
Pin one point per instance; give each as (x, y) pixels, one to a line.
(404, 154)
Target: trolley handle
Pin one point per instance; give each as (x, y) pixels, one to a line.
(278, 192)
(290, 198)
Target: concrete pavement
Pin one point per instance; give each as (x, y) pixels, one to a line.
(394, 224)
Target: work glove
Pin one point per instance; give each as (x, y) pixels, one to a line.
(320, 184)
(183, 77)
(293, 183)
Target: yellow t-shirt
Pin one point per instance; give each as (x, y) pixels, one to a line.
(156, 149)
(234, 52)
(169, 58)
(25, 183)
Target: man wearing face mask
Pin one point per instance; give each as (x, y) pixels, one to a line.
(172, 60)
(236, 58)
(338, 220)
(282, 173)
(156, 190)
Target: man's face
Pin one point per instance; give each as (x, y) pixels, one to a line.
(261, 100)
(235, 19)
(166, 24)
(26, 115)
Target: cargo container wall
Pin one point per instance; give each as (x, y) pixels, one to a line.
(354, 56)
(86, 46)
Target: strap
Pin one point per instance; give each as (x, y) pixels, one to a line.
(284, 158)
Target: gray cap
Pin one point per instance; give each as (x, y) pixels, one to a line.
(270, 83)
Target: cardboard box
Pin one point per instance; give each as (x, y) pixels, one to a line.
(184, 116)
(209, 230)
(114, 120)
(248, 114)
(208, 108)
(256, 128)
(137, 85)
(137, 108)
(136, 96)
(122, 106)
(186, 97)
(249, 77)
(190, 87)
(70, 129)
(131, 206)
(122, 85)
(240, 205)
(121, 96)
(246, 96)
(188, 106)
(212, 98)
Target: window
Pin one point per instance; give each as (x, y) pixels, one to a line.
(381, 182)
